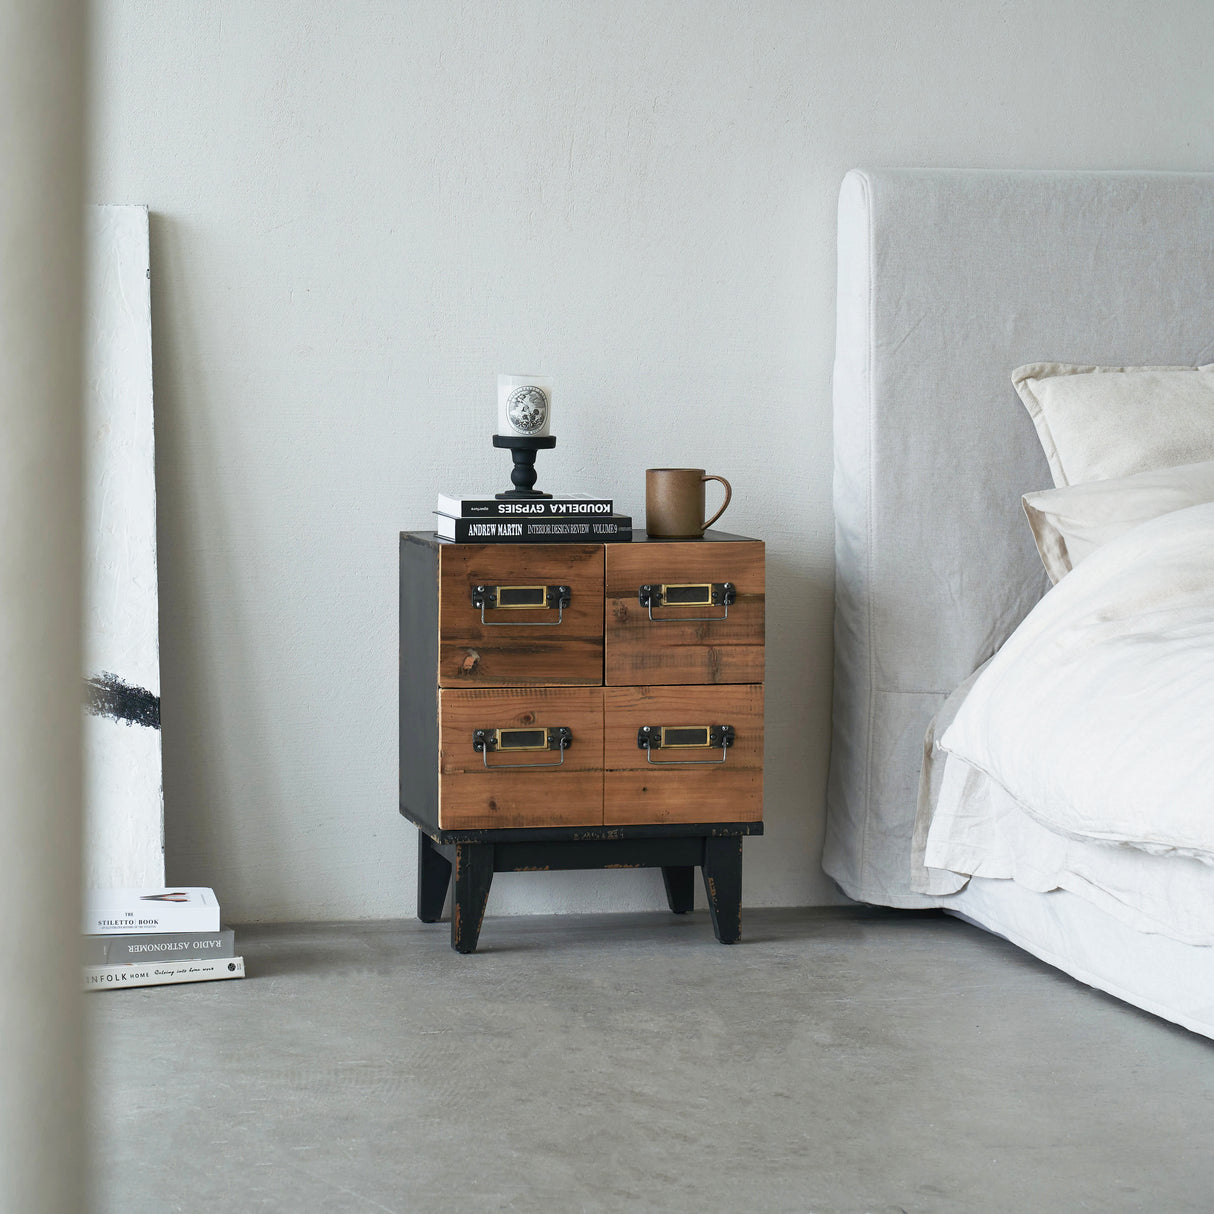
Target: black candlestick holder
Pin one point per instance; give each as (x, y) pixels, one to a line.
(523, 448)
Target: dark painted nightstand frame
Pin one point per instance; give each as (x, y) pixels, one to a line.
(467, 860)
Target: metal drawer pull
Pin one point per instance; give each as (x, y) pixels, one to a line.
(514, 741)
(687, 594)
(522, 598)
(684, 737)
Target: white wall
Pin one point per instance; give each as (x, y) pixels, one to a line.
(363, 212)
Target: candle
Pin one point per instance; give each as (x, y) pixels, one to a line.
(524, 405)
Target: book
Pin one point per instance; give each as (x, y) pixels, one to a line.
(161, 973)
(617, 528)
(179, 909)
(135, 948)
(485, 505)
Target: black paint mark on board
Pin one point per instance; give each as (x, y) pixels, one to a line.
(106, 695)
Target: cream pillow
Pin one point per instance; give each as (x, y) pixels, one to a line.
(1099, 422)
(1069, 524)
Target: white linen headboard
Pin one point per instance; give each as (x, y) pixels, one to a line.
(947, 281)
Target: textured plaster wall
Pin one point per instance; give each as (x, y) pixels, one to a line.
(363, 211)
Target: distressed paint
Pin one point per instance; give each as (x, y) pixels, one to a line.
(108, 696)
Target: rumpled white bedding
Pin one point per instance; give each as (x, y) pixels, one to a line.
(977, 829)
(1097, 714)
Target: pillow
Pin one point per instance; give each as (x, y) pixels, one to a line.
(1071, 523)
(1099, 422)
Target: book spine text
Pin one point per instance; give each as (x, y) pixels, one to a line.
(162, 973)
(535, 531)
(541, 508)
(138, 948)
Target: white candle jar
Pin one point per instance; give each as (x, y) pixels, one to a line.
(524, 405)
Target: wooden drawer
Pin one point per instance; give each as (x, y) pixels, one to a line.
(517, 647)
(682, 785)
(679, 644)
(478, 790)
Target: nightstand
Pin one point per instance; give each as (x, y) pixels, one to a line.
(581, 706)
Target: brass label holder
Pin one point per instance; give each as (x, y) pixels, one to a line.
(522, 598)
(519, 741)
(685, 737)
(687, 594)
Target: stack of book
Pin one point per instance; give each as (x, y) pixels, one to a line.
(151, 937)
(485, 519)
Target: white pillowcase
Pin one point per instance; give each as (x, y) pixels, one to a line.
(1072, 522)
(1099, 422)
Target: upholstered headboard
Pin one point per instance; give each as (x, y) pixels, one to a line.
(947, 281)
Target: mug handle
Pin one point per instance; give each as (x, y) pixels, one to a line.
(725, 504)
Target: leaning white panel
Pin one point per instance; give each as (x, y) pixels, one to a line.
(124, 836)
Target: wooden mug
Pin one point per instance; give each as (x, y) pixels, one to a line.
(674, 502)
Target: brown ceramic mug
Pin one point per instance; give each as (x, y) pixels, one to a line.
(674, 501)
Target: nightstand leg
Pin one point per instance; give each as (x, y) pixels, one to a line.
(433, 877)
(722, 870)
(472, 876)
(680, 882)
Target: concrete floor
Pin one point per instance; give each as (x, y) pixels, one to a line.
(834, 1061)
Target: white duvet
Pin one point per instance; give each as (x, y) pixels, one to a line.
(1097, 715)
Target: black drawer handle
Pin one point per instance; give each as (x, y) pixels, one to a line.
(685, 737)
(522, 598)
(687, 594)
(516, 741)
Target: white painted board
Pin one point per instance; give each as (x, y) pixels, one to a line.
(124, 810)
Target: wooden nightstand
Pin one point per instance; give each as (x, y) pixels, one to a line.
(581, 706)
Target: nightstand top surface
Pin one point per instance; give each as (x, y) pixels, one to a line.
(638, 537)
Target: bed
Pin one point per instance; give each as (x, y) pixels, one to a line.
(947, 282)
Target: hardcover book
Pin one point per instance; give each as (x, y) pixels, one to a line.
(485, 505)
(177, 909)
(617, 528)
(162, 973)
(134, 948)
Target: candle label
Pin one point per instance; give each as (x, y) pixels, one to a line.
(527, 409)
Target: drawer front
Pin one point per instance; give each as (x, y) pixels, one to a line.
(510, 781)
(518, 635)
(671, 638)
(679, 782)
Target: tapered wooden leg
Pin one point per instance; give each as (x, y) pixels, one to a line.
(433, 877)
(680, 882)
(472, 877)
(723, 884)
